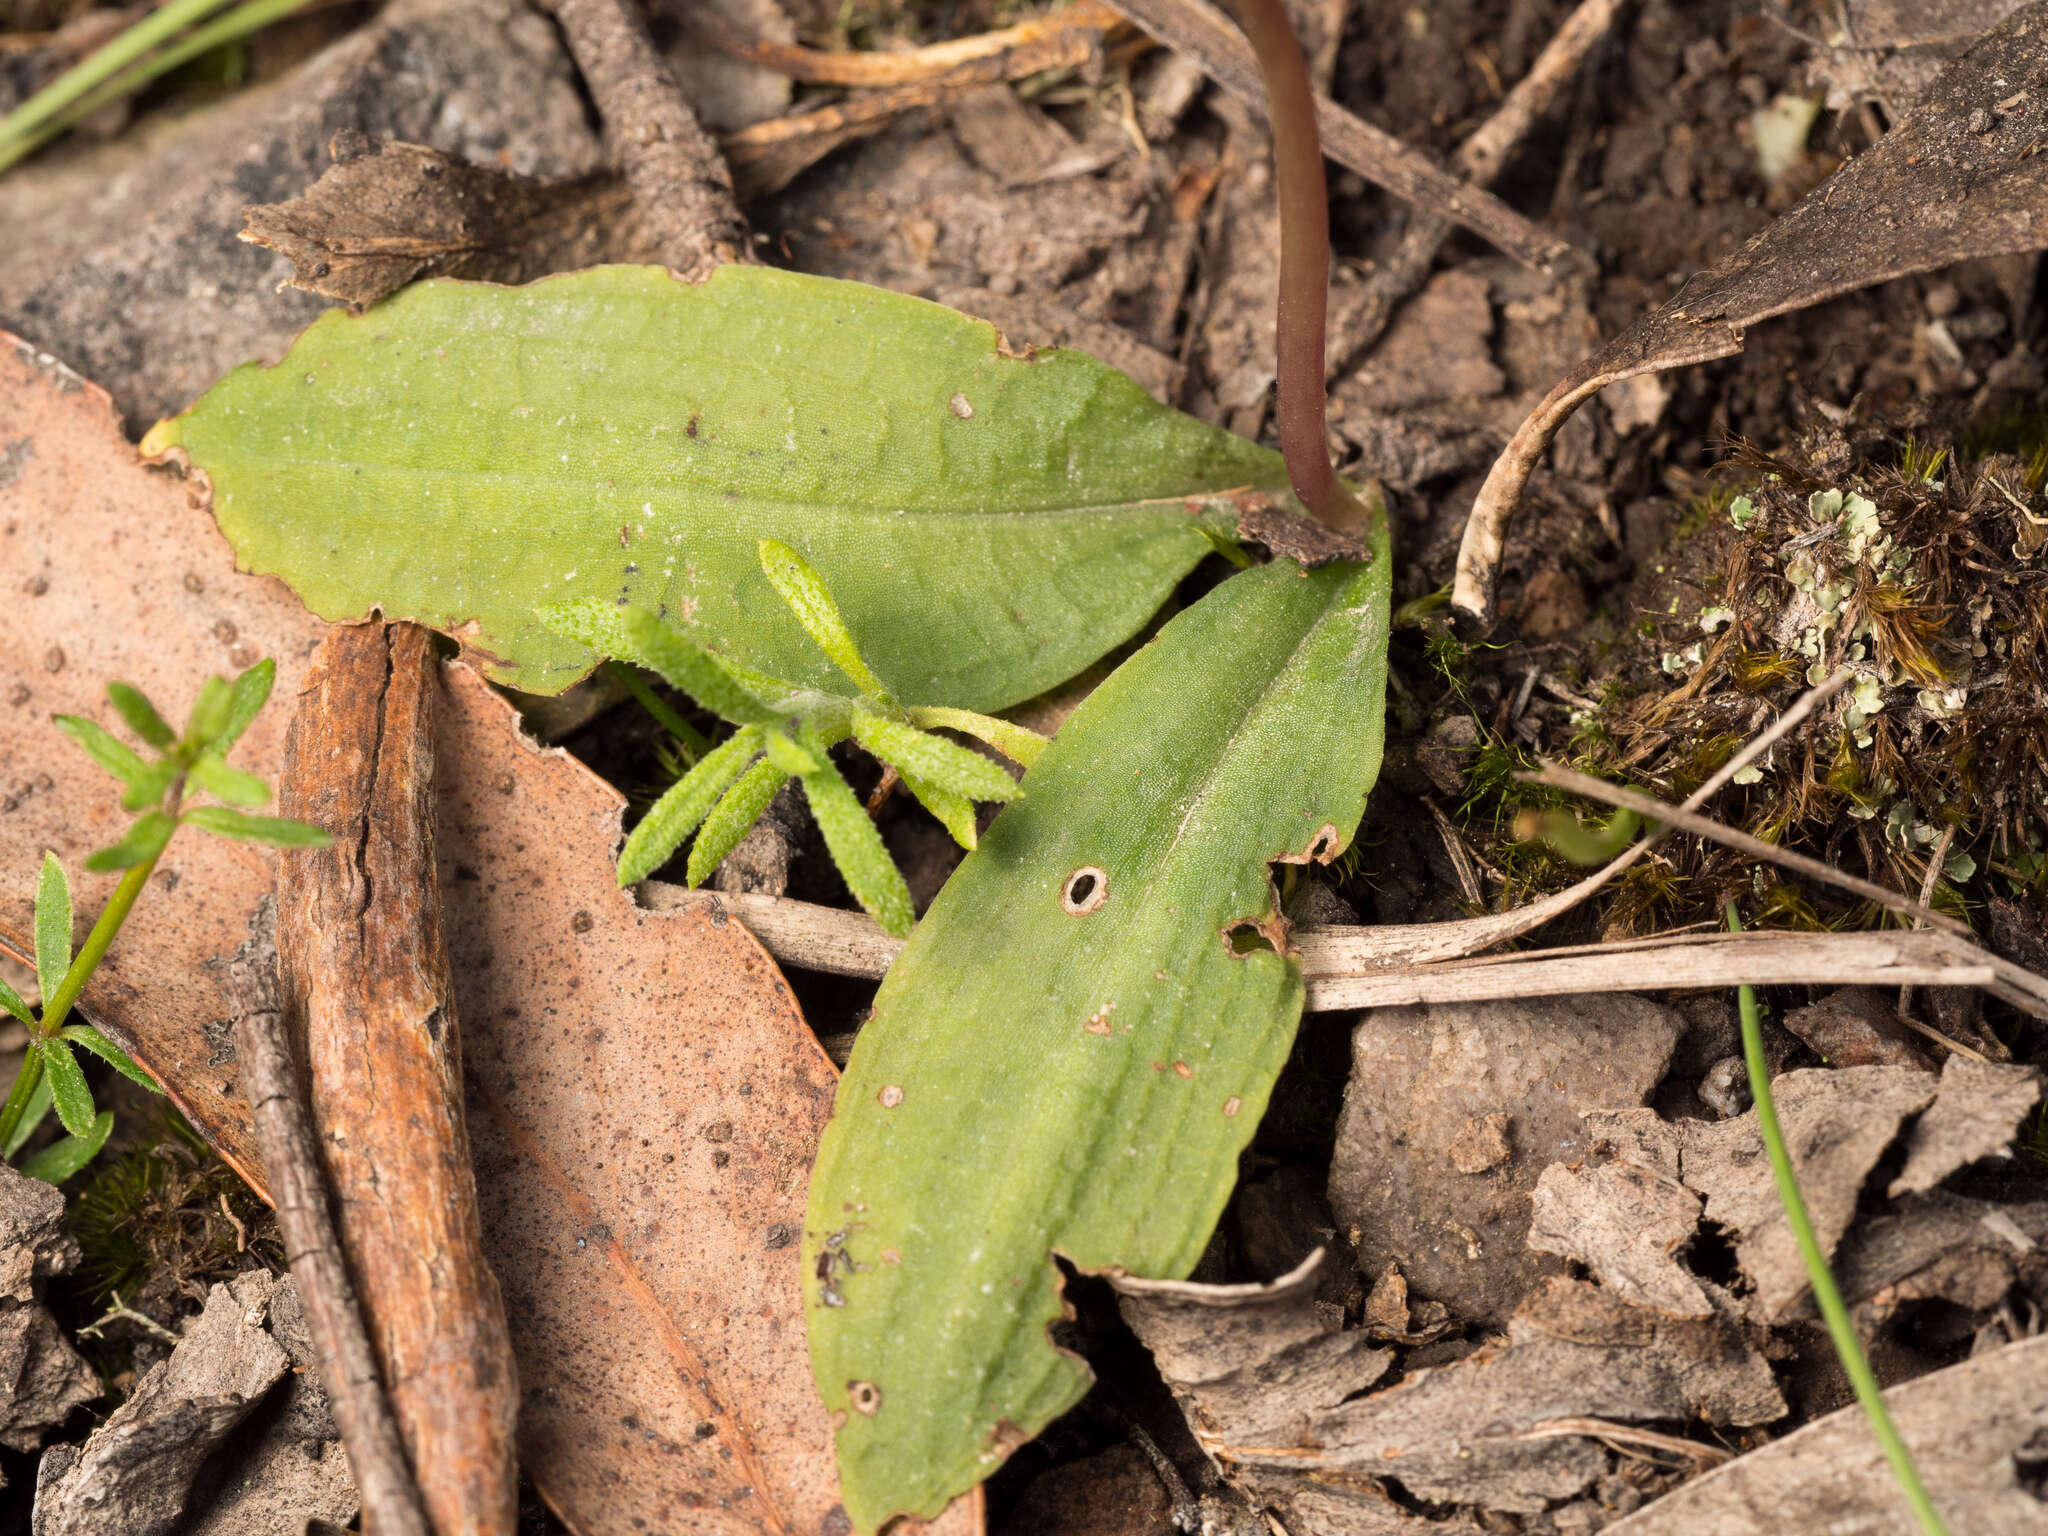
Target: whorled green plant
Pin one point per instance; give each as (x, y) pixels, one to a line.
(785, 730)
(180, 765)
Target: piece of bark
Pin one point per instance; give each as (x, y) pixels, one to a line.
(1838, 1123)
(1255, 1363)
(1625, 1224)
(133, 1477)
(1975, 1432)
(367, 993)
(680, 182)
(42, 1378)
(1420, 1074)
(382, 217)
(1858, 1027)
(1938, 1246)
(1507, 1427)
(282, 1129)
(1976, 1111)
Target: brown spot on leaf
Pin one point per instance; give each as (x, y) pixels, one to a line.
(890, 1096)
(1098, 1021)
(1231, 1106)
(865, 1397)
(960, 407)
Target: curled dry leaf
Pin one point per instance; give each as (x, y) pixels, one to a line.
(1960, 177)
(645, 1098)
(381, 217)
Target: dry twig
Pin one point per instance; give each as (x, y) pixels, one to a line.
(681, 186)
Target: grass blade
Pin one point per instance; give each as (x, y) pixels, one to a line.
(141, 715)
(103, 747)
(1012, 740)
(804, 590)
(111, 1054)
(954, 811)
(1841, 1328)
(68, 1092)
(738, 809)
(933, 760)
(144, 840)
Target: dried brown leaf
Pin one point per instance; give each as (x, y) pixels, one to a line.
(381, 217)
(645, 1098)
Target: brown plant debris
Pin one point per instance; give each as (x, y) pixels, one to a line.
(1975, 1430)
(386, 215)
(1933, 191)
(42, 1378)
(1976, 1111)
(1419, 1075)
(1837, 1125)
(134, 1476)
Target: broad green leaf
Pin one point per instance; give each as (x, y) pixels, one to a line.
(230, 785)
(278, 831)
(211, 713)
(85, 1035)
(246, 698)
(1071, 1051)
(858, 850)
(1012, 740)
(737, 809)
(11, 1001)
(53, 927)
(932, 760)
(804, 591)
(32, 1113)
(954, 811)
(61, 1159)
(463, 454)
(68, 1092)
(143, 841)
(683, 808)
(141, 715)
(103, 747)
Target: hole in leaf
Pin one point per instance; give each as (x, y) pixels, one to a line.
(1087, 889)
(865, 1397)
(1248, 938)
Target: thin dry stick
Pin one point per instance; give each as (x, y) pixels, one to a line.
(1652, 809)
(1203, 34)
(291, 1164)
(1628, 1435)
(1935, 860)
(872, 68)
(680, 183)
(1479, 160)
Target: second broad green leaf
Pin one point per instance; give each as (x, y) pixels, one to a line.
(464, 454)
(1080, 1037)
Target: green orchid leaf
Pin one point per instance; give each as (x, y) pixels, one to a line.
(1080, 1037)
(804, 590)
(103, 747)
(143, 841)
(92, 1040)
(229, 785)
(10, 1000)
(931, 760)
(954, 811)
(737, 809)
(68, 1092)
(278, 831)
(53, 927)
(858, 850)
(682, 809)
(148, 787)
(141, 715)
(246, 697)
(61, 1159)
(464, 454)
(1012, 740)
(210, 714)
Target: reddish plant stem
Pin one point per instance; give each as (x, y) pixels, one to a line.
(1304, 264)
